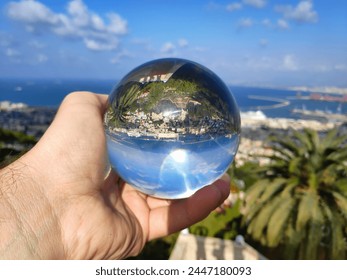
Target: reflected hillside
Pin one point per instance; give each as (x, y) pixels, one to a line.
(176, 106)
(173, 99)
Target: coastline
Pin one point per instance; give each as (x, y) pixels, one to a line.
(326, 90)
(255, 128)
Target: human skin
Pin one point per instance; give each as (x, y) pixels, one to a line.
(60, 201)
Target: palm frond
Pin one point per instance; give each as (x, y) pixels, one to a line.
(272, 188)
(313, 229)
(313, 137)
(291, 185)
(341, 202)
(285, 154)
(303, 140)
(292, 239)
(338, 155)
(339, 141)
(259, 222)
(287, 144)
(278, 221)
(255, 191)
(341, 185)
(295, 165)
(312, 241)
(252, 205)
(328, 141)
(338, 237)
(312, 180)
(335, 240)
(308, 203)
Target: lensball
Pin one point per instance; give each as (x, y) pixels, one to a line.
(172, 127)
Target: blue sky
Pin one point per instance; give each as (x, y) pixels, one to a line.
(246, 42)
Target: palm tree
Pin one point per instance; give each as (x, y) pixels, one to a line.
(299, 205)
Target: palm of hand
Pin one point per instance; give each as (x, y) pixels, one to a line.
(104, 218)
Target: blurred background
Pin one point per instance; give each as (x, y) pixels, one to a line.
(285, 61)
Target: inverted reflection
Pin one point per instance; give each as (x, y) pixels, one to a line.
(172, 127)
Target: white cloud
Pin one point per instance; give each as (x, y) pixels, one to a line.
(340, 67)
(168, 47)
(171, 48)
(10, 52)
(266, 22)
(117, 24)
(289, 63)
(245, 23)
(13, 55)
(324, 68)
(79, 13)
(41, 58)
(99, 45)
(263, 42)
(182, 43)
(78, 22)
(36, 44)
(303, 12)
(234, 7)
(31, 12)
(239, 5)
(97, 22)
(255, 3)
(281, 23)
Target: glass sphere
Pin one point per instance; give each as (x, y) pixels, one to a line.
(172, 127)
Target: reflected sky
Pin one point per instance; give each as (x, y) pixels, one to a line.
(172, 127)
(171, 169)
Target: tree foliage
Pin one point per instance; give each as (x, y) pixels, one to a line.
(13, 144)
(299, 204)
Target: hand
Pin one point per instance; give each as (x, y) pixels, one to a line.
(55, 201)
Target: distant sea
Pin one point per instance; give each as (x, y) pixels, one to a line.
(51, 92)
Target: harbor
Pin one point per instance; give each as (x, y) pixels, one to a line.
(280, 102)
(301, 107)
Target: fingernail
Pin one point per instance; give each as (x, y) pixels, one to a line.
(223, 184)
(226, 178)
(224, 181)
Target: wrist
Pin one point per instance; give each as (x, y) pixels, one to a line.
(29, 228)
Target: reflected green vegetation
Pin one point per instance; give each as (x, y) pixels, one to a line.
(186, 101)
(172, 97)
(135, 96)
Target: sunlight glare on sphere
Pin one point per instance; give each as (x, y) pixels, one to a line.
(172, 127)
